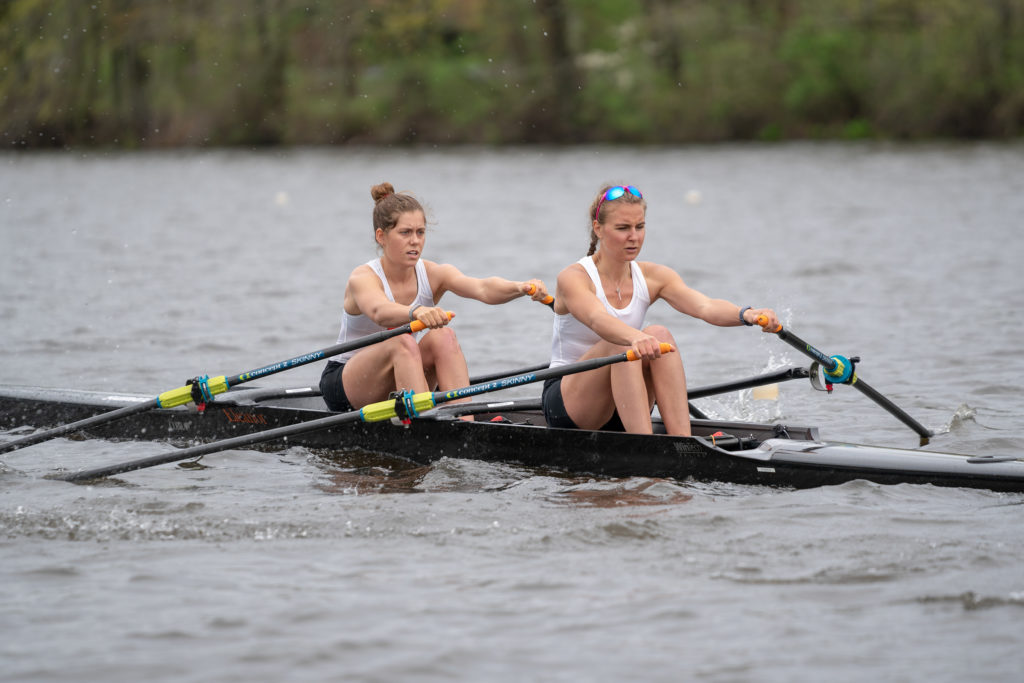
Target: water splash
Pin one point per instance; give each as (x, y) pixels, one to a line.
(962, 419)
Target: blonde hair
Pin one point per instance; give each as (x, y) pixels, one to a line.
(598, 211)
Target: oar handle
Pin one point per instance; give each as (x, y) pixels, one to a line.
(665, 348)
(548, 300)
(417, 326)
(762, 320)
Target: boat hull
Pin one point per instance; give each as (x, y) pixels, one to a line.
(747, 453)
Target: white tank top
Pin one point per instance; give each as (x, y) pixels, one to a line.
(570, 338)
(355, 326)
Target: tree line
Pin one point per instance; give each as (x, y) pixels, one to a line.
(161, 73)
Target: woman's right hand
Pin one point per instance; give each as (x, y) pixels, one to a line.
(432, 317)
(646, 346)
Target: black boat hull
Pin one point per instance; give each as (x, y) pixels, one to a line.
(744, 453)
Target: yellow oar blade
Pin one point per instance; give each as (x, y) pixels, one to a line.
(768, 392)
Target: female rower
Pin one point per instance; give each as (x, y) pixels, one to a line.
(394, 289)
(600, 305)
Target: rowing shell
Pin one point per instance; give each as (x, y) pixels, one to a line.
(514, 432)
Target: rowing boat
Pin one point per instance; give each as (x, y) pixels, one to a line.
(514, 432)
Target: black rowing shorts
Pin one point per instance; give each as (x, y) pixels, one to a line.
(333, 389)
(555, 414)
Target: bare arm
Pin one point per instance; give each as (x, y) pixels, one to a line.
(490, 290)
(365, 295)
(666, 284)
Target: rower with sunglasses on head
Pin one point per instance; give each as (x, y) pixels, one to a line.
(600, 305)
(394, 289)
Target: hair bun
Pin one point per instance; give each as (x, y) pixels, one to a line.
(379, 192)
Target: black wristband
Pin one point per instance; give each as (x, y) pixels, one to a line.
(412, 309)
(742, 319)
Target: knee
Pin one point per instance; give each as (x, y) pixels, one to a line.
(443, 342)
(661, 333)
(405, 346)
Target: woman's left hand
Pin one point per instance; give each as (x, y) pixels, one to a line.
(535, 288)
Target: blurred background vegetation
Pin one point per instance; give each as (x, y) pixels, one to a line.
(161, 73)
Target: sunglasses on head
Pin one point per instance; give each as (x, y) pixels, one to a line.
(614, 193)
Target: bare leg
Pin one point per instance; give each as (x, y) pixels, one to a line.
(443, 362)
(668, 382)
(377, 370)
(632, 401)
(630, 388)
(588, 395)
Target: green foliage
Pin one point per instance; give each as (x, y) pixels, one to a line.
(135, 73)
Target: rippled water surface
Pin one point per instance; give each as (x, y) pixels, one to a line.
(134, 272)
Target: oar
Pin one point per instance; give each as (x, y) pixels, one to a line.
(781, 375)
(405, 406)
(841, 370)
(203, 389)
(498, 375)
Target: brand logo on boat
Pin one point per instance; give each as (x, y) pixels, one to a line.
(247, 418)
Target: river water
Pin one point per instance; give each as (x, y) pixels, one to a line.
(136, 271)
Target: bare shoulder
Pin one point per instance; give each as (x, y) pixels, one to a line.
(440, 273)
(574, 274)
(659, 276)
(657, 271)
(363, 273)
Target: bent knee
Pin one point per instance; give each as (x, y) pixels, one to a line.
(442, 340)
(404, 345)
(661, 333)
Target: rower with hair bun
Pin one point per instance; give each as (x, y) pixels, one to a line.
(398, 287)
(600, 307)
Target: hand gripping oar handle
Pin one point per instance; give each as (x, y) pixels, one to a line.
(841, 370)
(206, 388)
(547, 301)
(408, 404)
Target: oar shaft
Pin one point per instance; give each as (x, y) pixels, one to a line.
(328, 352)
(803, 347)
(213, 447)
(498, 375)
(440, 397)
(897, 412)
(782, 375)
(102, 418)
(830, 364)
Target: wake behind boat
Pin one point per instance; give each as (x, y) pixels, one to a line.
(514, 432)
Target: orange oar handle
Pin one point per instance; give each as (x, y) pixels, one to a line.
(762, 320)
(546, 300)
(665, 348)
(417, 326)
